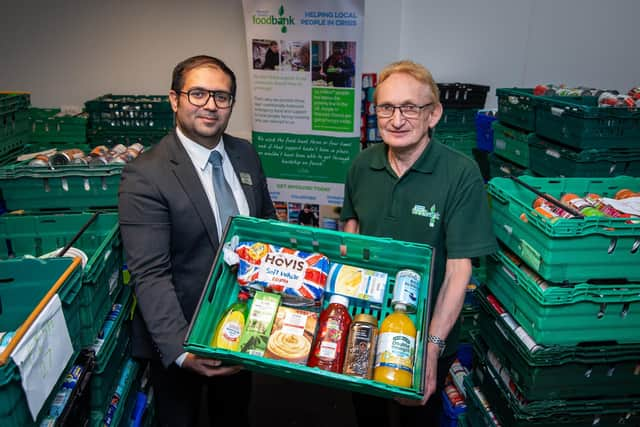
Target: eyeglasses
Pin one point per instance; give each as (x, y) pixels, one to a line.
(410, 111)
(200, 97)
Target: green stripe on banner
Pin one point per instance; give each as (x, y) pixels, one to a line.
(306, 157)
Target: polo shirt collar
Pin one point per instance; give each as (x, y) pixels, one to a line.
(199, 155)
(426, 163)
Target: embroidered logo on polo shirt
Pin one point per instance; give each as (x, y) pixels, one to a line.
(430, 213)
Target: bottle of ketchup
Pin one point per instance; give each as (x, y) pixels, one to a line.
(331, 339)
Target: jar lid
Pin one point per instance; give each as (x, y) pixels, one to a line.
(339, 299)
(366, 318)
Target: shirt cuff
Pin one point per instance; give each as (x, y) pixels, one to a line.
(180, 360)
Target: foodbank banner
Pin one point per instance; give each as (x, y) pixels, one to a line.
(305, 61)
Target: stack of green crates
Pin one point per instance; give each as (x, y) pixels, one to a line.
(37, 235)
(25, 283)
(552, 159)
(607, 368)
(574, 137)
(14, 125)
(558, 338)
(128, 119)
(51, 128)
(65, 188)
(513, 411)
(112, 349)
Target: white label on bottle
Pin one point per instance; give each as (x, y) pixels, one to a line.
(328, 350)
(231, 331)
(396, 351)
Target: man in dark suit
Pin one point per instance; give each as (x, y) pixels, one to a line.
(172, 217)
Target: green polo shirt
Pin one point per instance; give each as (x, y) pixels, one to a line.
(440, 201)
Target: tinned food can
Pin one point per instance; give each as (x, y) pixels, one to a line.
(39, 160)
(406, 289)
(65, 157)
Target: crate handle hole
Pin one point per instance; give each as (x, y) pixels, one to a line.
(625, 310)
(47, 187)
(87, 185)
(588, 372)
(366, 254)
(315, 244)
(343, 250)
(64, 184)
(293, 241)
(612, 245)
(636, 245)
(603, 308)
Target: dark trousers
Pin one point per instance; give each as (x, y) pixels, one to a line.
(178, 396)
(375, 411)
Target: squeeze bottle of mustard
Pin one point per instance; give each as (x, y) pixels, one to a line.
(229, 329)
(396, 348)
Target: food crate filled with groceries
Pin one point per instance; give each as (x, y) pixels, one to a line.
(66, 179)
(322, 306)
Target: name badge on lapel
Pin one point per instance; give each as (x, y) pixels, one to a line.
(245, 178)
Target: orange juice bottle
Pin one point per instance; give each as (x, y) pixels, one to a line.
(396, 348)
(229, 329)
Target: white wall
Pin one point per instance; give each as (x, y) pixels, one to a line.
(67, 52)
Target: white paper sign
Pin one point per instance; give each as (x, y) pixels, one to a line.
(43, 354)
(630, 205)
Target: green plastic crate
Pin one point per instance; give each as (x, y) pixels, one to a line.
(572, 249)
(25, 283)
(111, 138)
(40, 234)
(550, 159)
(586, 371)
(130, 112)
(49, 125)
(477, 415)
(468, 321)
(580, 123)
(65, 188)
(14, 134)
(566, 315)
(606, 412)
(511, 144)
(457, 120)
(10, 101)
(516, 107)
(112, 354)
(461, 141)
(499, 167)
(130, 387)
(379, 254)
(14, 123)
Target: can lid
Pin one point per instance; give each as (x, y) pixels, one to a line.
(339, 299)
(366, 318)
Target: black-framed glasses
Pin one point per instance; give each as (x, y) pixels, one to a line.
(410, 111)
(200, 97)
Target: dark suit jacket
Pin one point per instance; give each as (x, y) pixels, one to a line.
(170, 238)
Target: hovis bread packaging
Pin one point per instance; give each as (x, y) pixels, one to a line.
(299, 276)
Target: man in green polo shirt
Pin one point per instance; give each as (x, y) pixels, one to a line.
(415, 189)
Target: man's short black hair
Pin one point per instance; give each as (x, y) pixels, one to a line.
(177, 78)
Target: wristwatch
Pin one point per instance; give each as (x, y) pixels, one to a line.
(442, 344)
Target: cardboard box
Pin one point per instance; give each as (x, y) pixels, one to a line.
(292, 335)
